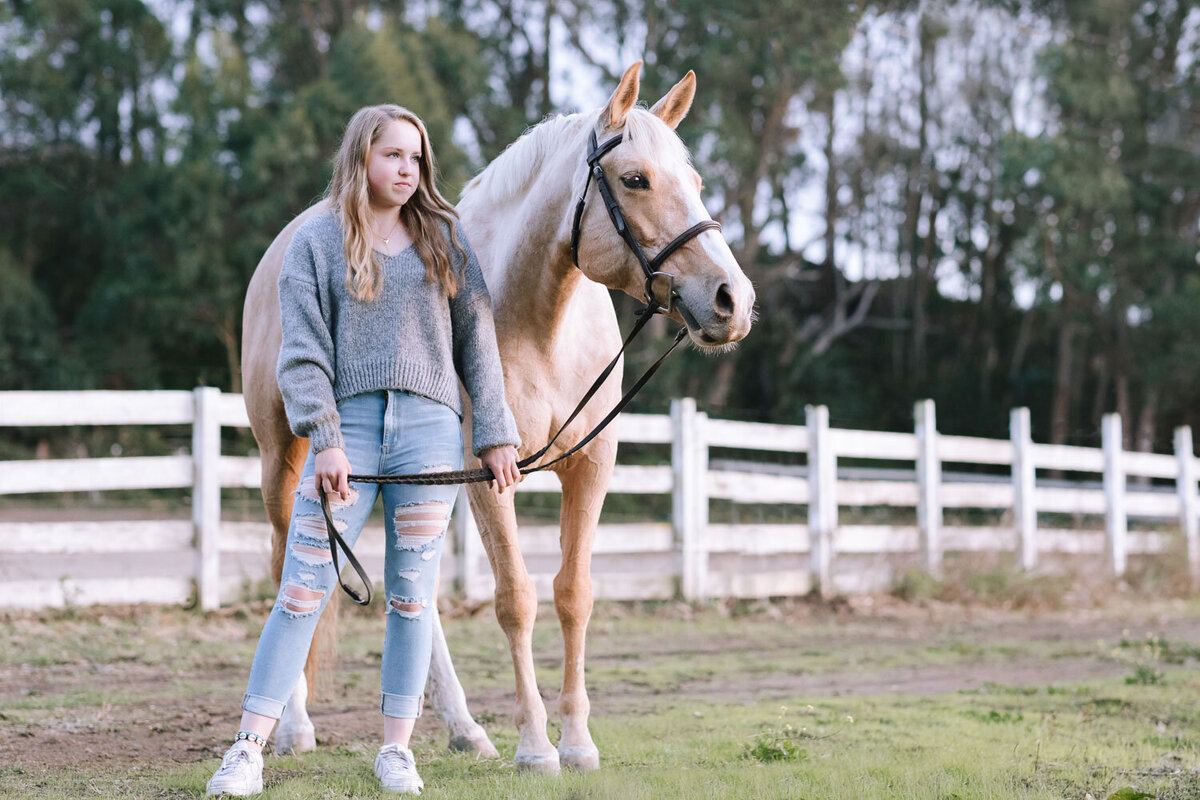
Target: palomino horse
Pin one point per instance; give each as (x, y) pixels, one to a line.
(556, 329)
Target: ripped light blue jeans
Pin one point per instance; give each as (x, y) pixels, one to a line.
(390, 432)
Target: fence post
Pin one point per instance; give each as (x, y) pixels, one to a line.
(689, 496)
(206, 495)
(1020, 430)
(822, 498)
(929, 479)
(1185, 486)
(1116, 523)
(469, 550)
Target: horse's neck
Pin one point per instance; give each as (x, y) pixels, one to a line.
(524, 247)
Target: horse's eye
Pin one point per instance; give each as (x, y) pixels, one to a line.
(635, 181)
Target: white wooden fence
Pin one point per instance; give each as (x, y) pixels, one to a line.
(53, 564)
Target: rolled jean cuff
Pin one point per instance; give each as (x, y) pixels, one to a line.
(401, 706)
(257, 704)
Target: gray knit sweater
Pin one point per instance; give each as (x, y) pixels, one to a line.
(412, 337)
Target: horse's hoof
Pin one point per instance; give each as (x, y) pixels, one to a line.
(297, 740)
(480, 745)
(538, 763)
(579, 759)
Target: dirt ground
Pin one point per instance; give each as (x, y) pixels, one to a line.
(117, 684)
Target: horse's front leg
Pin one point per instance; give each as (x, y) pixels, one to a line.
(516, 608)
(584, 484)
(450, 702)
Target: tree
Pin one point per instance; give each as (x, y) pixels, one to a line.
(1120, 205)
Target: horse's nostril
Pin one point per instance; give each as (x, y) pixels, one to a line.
(723, 301)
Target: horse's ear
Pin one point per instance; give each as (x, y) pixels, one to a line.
(623, 98)
(674, 105)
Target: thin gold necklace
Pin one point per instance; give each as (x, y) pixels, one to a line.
(387, 240)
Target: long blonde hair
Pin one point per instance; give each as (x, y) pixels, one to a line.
(349, 192)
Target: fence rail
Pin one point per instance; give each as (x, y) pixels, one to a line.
(166, 561)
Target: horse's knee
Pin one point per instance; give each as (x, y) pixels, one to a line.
(573, 598)
(516, 604)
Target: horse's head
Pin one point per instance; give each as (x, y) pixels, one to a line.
(658, 192)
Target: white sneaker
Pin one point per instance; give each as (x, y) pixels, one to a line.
(240, 773)
(397, 771)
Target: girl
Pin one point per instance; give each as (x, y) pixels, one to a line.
(383, 309)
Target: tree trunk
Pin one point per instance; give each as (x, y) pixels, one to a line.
(831, 201)
(1060, 407)
(1020, 350)
(227, 333)
(721, 382)
(919, 186)
(1144, 436)
(1100, 394)
(1147, 420)
(1121, 384)
(545, 108)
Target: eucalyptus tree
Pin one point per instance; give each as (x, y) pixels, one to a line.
(1119, 196)
(81, 127)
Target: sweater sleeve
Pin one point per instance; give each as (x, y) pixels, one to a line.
(477, 358)
(306, 356)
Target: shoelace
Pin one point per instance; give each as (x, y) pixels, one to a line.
(230, 762)
(397, 760)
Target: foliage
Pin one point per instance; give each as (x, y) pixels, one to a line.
(989, 204)
(1001, 586)
(1144, 658)
(28, 348)
(917, 585)
(780, 742)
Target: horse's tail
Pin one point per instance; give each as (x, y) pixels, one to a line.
(322, 651)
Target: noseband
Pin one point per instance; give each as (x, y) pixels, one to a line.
(649, 265)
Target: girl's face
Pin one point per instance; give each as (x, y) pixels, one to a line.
(394, 165)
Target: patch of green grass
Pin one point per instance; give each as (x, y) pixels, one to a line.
(778, 742)
(688, 704)
(1145, 675)
(931, 748)
(995, 715)
(1144, 657)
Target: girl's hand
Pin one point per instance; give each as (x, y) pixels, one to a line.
(333, 472)
(502, 461)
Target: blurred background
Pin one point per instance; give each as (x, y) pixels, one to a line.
(987, 204)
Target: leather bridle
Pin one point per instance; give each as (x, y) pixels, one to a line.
(649, 265)
(653, 306)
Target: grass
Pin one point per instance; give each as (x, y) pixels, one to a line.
(1094, 737)
(688, 702)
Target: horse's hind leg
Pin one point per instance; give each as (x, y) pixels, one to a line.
(584, 484)
(450, 702)
(281, 468)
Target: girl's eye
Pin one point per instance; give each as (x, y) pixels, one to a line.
(636, 181)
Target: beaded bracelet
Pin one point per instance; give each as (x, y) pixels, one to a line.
(251, 736)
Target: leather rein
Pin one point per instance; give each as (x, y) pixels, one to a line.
(654, 279)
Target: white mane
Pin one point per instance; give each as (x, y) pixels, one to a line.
(510, 173)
